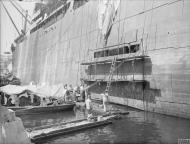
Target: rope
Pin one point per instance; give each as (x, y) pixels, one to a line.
(10, 18)
(124, 42)
(150, 22)
(97, 45)
(118, 47)
(86, 35)
(20, 12)
(166, 4)
(144, 51)
(80, 45)
(18, 5)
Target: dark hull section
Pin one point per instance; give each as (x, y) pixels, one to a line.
(163, 89)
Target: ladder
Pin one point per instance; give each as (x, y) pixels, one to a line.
(112, 68)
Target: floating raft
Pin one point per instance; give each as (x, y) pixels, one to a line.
(45, 132)
(40, 109)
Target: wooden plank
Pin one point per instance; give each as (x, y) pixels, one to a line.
(63, 131)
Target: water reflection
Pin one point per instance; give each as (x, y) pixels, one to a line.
(80, 112)
(44, 119)
(137, 127)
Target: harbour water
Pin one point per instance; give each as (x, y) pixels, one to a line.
(137, 127)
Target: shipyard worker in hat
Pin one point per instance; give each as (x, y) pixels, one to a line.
(105, 100)
(12, 130)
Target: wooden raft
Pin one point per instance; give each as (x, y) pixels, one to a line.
(48, 131)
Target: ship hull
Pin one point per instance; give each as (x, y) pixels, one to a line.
(160, 83)
(167, 91)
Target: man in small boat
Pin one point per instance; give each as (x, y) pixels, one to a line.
(66, 93)
(67, 96)
(43, 102)
(55, 103)
(31, 98)
(17, 101)
(76, 93)
(9, 102)
(70, 88)
(82, 92)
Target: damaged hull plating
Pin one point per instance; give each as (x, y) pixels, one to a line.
(150, 39)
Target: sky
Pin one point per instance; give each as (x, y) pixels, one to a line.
(8, 32)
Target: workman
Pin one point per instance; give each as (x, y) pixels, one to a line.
(82, 92)
(105, 101)
(88, 104)
(43, 102)
(17, 101)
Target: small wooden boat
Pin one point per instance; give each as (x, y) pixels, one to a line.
(16, 108)
(44, 132)
(39, 109)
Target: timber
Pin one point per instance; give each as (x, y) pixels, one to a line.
(49, 131)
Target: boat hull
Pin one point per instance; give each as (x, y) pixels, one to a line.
(40, 110)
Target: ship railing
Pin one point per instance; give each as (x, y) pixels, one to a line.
(110, 58)
(61, 10)
(116, 77)
(122, 51)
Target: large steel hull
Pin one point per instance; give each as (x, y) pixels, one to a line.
(53, 54)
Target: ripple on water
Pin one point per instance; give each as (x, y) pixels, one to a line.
(137, 127)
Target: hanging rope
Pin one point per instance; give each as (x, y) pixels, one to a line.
(144, 51)
(150, 23)
(18, 5)
(118, 41)
(143, 30)
(10, 18)
(97, 44)
(87, 39)
(88, 35)
(123, 34)
(20, 12)
(80, 46)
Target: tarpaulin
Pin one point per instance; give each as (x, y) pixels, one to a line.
(13, 89)
(42, 91)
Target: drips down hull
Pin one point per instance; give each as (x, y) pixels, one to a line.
(53, 54)
(166, 85)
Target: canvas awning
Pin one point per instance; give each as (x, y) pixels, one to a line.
(42, 91)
